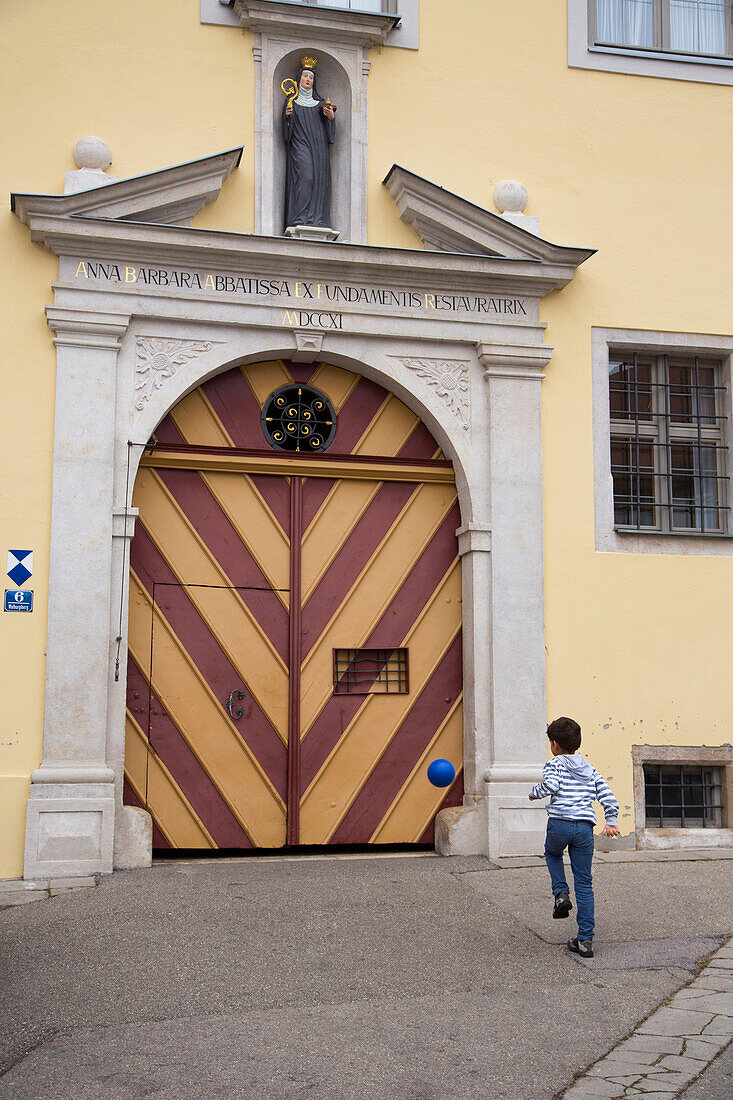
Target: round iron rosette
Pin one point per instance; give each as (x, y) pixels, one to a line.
(298, 418)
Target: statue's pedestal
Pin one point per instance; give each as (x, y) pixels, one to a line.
(312, 232)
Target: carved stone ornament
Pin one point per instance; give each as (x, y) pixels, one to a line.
(159, 358)
(449, 378)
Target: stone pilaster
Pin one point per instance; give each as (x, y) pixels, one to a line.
(462, 830)
(474, 546)
(513, 375)
(70, 818)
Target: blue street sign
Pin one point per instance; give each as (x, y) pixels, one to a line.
(18, 600)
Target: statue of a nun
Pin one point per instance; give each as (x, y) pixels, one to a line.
(308, 130)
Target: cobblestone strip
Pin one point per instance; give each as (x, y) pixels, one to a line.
(675, 1044)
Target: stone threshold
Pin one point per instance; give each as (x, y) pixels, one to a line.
(674, 1045)
(292, 857)
(18, 891)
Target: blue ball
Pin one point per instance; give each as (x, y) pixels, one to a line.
(441, 773)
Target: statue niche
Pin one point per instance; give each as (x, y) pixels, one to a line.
(309, 131)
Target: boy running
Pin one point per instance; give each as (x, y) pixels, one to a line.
(573, 785)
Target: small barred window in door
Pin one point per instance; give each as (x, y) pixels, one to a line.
(365, 671)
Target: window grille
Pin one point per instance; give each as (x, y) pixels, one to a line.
(697, 27)
(370, 672)
(667, 450)
(683, 796)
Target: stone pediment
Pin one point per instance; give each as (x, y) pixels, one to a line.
(144, 219)
(445, 222)
(171, 196)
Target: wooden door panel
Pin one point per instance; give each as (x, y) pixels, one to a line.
(203, 797)
(362, 582)
(374, 563)
(370, 752)
(381, 570)
(175, 815)
(402, 616)
(205, 620)
(413, 809)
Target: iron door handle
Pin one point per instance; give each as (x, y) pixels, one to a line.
(230, 707)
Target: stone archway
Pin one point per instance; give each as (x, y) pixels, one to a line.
(85, 778)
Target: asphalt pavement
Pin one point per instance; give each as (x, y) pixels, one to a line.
(410, 977)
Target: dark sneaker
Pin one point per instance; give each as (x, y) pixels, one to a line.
(563, 905)
(584, 948)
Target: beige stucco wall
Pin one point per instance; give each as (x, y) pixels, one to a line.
(636, 167)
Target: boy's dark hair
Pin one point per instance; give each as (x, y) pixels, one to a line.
(566, 733)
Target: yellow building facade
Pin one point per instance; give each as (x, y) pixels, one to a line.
(620, 143)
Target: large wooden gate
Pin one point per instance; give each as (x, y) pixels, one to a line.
(295, 621)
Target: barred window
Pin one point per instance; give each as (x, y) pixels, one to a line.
(370, 672)
(667, 450)
(698, 27)
(683, 796)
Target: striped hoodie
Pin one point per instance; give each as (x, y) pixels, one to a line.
(574, 785)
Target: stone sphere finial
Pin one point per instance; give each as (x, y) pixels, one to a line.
(92, 152)
(510, 196)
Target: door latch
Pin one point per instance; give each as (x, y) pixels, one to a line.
(230, 706)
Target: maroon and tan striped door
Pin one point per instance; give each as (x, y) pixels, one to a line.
(252, 572)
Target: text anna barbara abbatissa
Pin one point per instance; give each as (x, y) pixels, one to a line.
(318, 296)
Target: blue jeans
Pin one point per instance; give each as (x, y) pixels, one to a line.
(577, 837)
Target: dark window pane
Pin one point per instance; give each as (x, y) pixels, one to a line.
(681, 395)
(632, 469)
(709, 487)
(686, 796)
(706, 395)
(630, 390)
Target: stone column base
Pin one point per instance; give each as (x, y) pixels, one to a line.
(133, 838)
(461, 831)
(516, 826)
(69, 825)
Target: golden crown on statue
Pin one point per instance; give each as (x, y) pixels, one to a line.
(308, 62)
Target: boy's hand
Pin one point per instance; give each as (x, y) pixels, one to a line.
(532, 798)
(611, 830)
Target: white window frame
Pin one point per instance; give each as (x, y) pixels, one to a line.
(583, 53)
(608, 538)
(661, 34)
